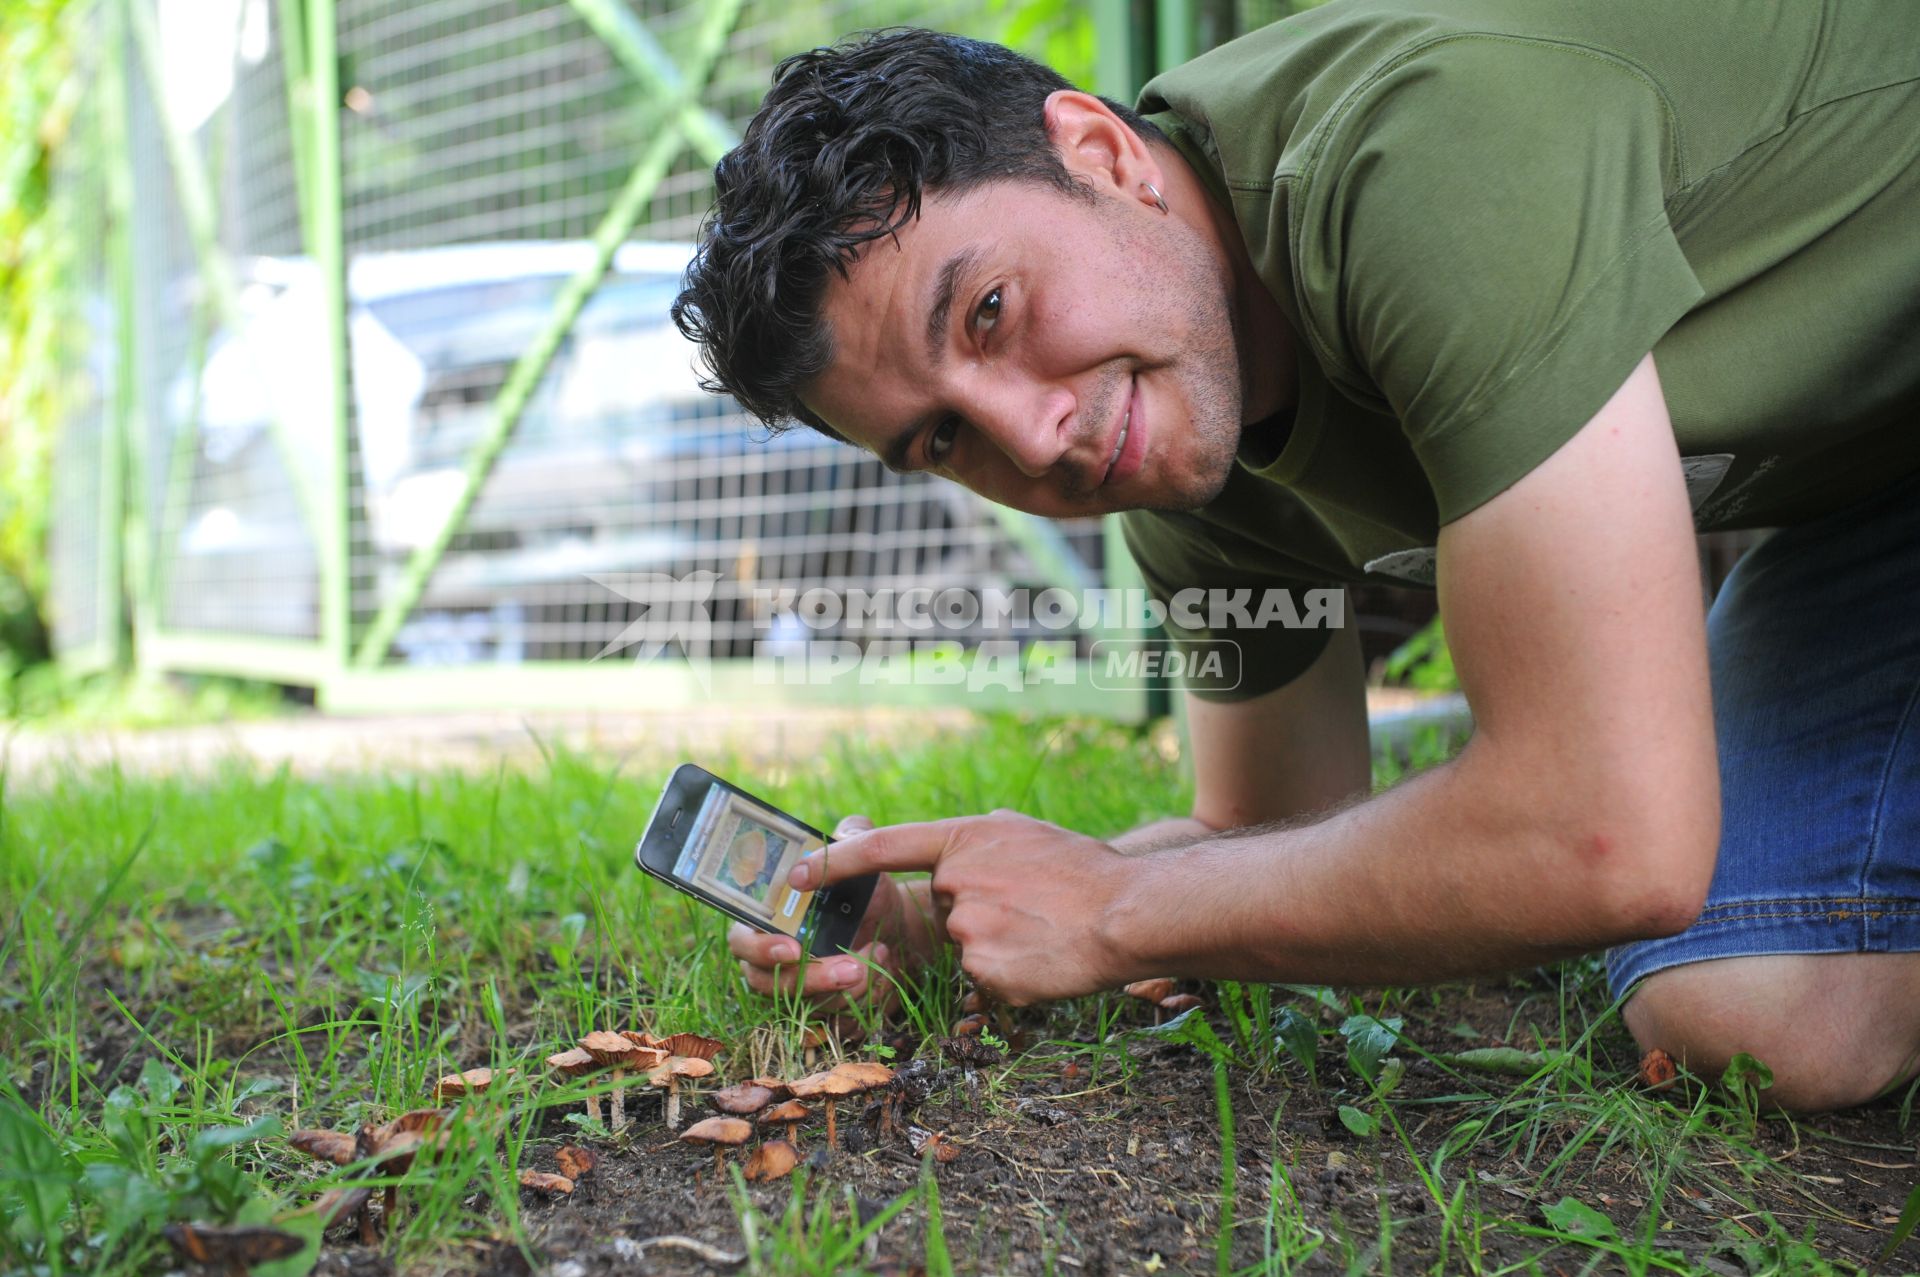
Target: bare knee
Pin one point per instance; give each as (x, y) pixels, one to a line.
(1834, 1029)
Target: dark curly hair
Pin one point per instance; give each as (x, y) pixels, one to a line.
(848, 142)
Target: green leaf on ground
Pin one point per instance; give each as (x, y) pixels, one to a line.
(1502, 1059)
(1362, 1124)
(1578, 1219)
(1909, 1219)
(1368, 1042)
(1192, 1028)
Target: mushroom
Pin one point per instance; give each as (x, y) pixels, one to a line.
(471, 1082)
(546, 1182)
(611, 1050)
(1152, 991)
(721, 1132)
(970, 1026)
(236, 1249)
(577, 1063)
(345, 1205)
(640, 1039)
(1658, 1071)
(932, 1143)
(831, 1086)
(772, 1160)
(691, 1045)
(743, 1100)
(328, 1146)
(870, 1076)
(395, 1145)
(668, 1073)
(789, 1113)
(1180, 1003)
(779, 1088)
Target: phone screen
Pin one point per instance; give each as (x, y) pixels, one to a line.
(740, 851)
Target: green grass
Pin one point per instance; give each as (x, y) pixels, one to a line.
(190, 968)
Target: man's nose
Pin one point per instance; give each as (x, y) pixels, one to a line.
(1032, 425)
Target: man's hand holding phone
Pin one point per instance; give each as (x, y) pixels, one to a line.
(899, 934)
(1031, 905)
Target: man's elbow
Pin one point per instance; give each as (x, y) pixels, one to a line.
(1663, 888)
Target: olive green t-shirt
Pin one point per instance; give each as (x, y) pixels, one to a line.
(1479, 215)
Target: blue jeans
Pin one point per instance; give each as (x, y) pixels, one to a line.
(1814, 643)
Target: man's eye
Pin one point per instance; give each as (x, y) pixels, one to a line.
(988, 313)
(940, 442)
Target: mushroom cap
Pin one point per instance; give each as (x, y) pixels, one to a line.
(675, 1066)
(969, 1025)
(399, 1141)
(692, 1045)
(867, 1073)
(779, 1088)
(785, 1111)
(640, 1039)
(573, 1063)
(608, 1048)
(743, 1100)
(575, 1162)
(826, 1084)
(719, 1130)
(470, 1082)
(544, 1182)
(328, 1146)
(1180, 1002)
(772, 1160)
(1152, 990)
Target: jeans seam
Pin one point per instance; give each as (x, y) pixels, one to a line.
(1876, 825)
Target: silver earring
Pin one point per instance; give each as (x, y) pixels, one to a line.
(1155, 192)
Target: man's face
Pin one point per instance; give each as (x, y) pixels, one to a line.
(1062, 356)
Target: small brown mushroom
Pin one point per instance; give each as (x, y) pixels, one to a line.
(668, 1073)
(830, 1087)
(692, 1045)
(743, 1100)
(772, 1160)
(871, 1076)
(779, 1088)
(1658, 1071)
(395, 1145)
(789, 1113)
(932, 1143)
(721, 1132)
(1152, 991)
(328, 1146)
(611, 1050)
(576, 1064)
(969, 1026)
(471, 1082)
(1180, 1003)
(546, 1182)
(640, 1039)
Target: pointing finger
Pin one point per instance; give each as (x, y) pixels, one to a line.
(896, 848)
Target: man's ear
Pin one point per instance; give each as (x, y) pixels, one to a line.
(1096, 145)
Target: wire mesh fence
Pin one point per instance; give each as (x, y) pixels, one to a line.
(483, 144)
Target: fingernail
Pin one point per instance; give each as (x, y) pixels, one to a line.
(845, 973)
(786, 952)
(802, 876)
(881, 954)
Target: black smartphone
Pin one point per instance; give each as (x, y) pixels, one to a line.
(720, 844)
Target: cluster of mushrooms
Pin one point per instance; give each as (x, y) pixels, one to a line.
(665, 1062)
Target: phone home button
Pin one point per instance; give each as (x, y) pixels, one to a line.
(846, 906)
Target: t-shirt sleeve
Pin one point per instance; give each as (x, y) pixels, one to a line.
(1481, 238)
(1271, 623)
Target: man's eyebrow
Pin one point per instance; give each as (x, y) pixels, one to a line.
(895, 457)
(959, 264)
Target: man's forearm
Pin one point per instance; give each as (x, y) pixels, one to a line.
(1159, 835)
(1454, 872)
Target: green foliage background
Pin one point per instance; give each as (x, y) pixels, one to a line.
(38, 96)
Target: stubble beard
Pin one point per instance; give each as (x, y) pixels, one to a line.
(1208, 374)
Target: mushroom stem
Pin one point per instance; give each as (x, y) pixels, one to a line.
(793, 1134)
(830, 1131)
(390, 1201)
(718, 1150)
(619, 1100)
(593, 1107)
(673, 1102)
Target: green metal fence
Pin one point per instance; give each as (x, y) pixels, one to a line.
(385, 399)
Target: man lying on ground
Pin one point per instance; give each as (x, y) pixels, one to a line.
(1502, 298)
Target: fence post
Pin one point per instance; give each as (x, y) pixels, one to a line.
(323, 220)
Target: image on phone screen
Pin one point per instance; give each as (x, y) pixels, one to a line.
(740, 851)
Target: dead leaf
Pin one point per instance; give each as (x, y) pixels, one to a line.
(246, 1247)
(936, 1143)
(575, 1162)
(544, 1182)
